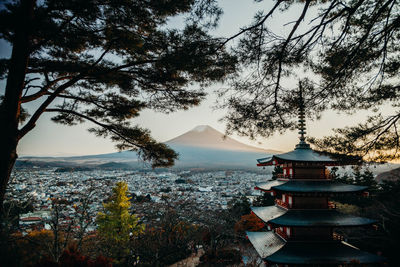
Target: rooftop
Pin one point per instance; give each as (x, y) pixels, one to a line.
(268, 213)
(321, 253)
(323, 186)
(265, 243)
(300, 154)
(328, 218)
(266, 186)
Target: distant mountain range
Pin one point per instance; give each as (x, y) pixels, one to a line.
(201, 147)
(392, 175)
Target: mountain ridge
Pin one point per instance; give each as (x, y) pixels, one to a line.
(201, 147)
(208, 137)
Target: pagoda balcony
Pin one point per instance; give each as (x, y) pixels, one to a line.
(281, 204)
(320, 177)
(284, 176)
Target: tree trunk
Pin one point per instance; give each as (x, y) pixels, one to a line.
(8, 156)
(10, 108)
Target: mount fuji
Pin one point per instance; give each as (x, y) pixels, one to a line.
(201, 147)
(204, 136)
(205, 147)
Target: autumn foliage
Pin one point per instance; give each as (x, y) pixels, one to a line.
(71, 258)
(249, 222)
(167, 242)
(36, 249)
(117, 226)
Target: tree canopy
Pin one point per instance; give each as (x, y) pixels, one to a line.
(344, 55)
(105, 61)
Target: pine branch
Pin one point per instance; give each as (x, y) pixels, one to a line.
(32, 121)
(109, 128)
(44, 90)
(258, 24)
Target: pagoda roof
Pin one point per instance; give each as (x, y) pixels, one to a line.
(266, 186)
(265, 243)
(323, 186)
(268, 213)
(300, 154)
(327, 218)
(334, 253)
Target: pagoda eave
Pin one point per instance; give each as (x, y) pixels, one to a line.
(266, 186)
(265, 243)
(319, 163)
(305, 154)
(268, 213)
(319, 218)
(263, 164)
(326, 186)
(325, 253)
(317, 194)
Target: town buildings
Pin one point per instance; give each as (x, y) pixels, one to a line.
(184, 190)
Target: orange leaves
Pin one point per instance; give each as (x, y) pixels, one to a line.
(249, 222)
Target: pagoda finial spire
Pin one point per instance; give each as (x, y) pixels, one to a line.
(302, 121)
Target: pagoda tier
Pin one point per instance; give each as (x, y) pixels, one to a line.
(266, 186)
(327, 187)
(273, 250)
(299, 155)
(276, 217)
(297, 186)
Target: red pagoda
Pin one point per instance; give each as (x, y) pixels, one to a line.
(301, 223)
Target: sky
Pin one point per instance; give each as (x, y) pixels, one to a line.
(50, 139)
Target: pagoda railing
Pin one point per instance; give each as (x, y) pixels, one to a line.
(281, 203)
(287, 176)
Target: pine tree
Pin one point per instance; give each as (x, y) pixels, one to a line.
(368, 179)
(357, 176)
(116, 225)
(238, 207)
(277, 170)
(365, 178)
(345, 54)
(264, 200)
(103, 62)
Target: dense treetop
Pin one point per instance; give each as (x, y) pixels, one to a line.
(105, 61)
(344, 55)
